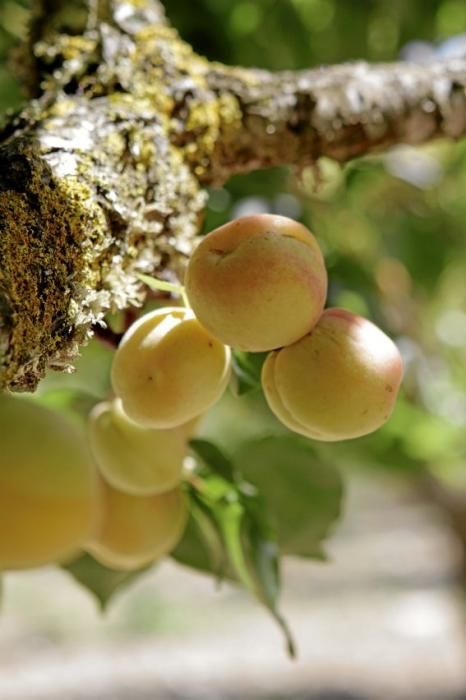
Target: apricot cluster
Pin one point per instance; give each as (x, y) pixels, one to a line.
(259, 284)
(167, 371)
(143, 508)
(256, 284)
(54, 503)
(117, 494)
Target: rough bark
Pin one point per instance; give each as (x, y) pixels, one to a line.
(103, 174)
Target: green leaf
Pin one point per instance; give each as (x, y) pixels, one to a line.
(163, 286)
(302, 493)
(193, 549)
(264, 560)
(247, 368)
(159, 285)
(202, 545)
(253, 555)
(229, 534)
(99, 580)
(263, 555)
(213, 457)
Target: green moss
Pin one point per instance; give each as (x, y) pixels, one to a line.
(44, 225)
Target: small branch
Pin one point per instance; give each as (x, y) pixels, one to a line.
(339, 111)
(107, 337)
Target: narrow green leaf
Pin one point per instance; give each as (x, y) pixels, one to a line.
(159, 285)
(202, 545)
(99, 580)
(163, 286)
(229, 531)
(212, 537)
(247, 541)
(263, 554)
(254, 558)
(193, 550)
(247, 368)
(264, 558)
(213, 457)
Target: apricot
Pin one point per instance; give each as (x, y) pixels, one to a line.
(48, 489)
(137, 530)
(168, 369)
(338, 382)
(138, 460)
(258, 283)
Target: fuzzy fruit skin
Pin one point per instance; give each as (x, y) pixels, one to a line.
(137, 460)
(257, 283)
(168, 369)
(48, 486)
(275, 401)
(338, 382)
(137, 530)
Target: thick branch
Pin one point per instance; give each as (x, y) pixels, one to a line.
(339, 111)
(102, 176)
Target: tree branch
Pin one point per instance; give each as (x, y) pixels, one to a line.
(339, 111)
(102, 176)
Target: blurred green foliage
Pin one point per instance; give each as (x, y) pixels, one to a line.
(393, 227)
(14, 17)
(290, 34)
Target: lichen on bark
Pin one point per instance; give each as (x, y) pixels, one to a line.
(103, 174)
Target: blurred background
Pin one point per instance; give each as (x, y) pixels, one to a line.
(384, 617)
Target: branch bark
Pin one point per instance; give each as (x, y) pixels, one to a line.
(339, 111)
(103, 174)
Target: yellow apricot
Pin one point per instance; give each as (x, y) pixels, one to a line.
(138, 460)
(168, 369)
(137, 530)
(48, 489)
(338, 382)
(275, 402)
(257, 283)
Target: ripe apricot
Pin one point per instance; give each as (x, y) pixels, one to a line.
(258, 283)
(137, 530)
(168, 369)
(48, 493)
(338, 382)
(138, 460)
